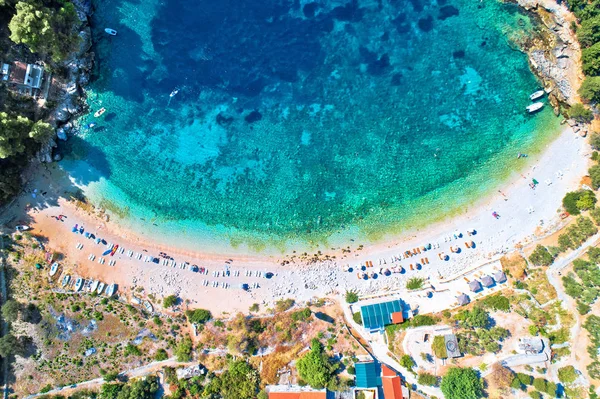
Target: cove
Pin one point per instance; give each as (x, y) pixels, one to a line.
(302, 124)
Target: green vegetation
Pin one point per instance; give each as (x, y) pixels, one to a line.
(170, 301)
(590, 89)
(183, 351)
(576, 234)
(145, 388)
(496, 302)
(428, 379)
(10, 310)
(541, 256)
(315, 367)
(284, 304)
(438, 347)
(10, 345)
(594, 173)
(357, 318)
(576, 201)
(161, 355)
(592, 325)
(415, 283)
(407, 362)
(584, 283)
(567, 374)
(580, 113)
(44, 30)
(239, 381)
(198, 316)
(351, 297)
(462, 383)
(301, 315)
(476, 318)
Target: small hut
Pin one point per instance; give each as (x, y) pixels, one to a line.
(500, 277)
(487, 281)
(475, 286)
(463, 299)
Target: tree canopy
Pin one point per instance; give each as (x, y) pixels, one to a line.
(462, 383)
(13, 134)
(315, 367)
(48, 31)
(198, 316)
(580, 113)
(590, 88)
(239, 381)
(541, 256)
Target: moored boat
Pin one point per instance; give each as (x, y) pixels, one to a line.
(100, 112)
(537, 94)
(174, 93)
(110, 31)
(148, 306)
(94, 285)
(54, 269)
(535, 107)
(78, 284)
(101, 287)
(111, 289)
(66, 280)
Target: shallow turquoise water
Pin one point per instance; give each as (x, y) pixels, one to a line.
(300, 124)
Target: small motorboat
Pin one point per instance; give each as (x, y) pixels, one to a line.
(90, 125)
(101, 287)
(111, 289)
(100, 112)
(79, 284)
(22, 228)
(94, 285)
(174, 93)
(148, 306)
(54, 268)
(535, 107)
(110, 31)
(66, 280)
(538, 94)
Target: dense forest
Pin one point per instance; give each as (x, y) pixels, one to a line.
(42, 31)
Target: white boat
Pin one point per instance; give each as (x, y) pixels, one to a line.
(110, 31)
(535, 107)
(53, 269)
(100, 112)
(22, 228)
(148, 306)
(78, 284)
(101, 287)
(174, 92)
(94, 285)
(537, 94)
(111, 289)
(66, 280)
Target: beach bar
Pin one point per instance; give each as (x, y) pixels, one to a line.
(376, 316)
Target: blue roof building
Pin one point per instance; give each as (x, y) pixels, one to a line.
(377, 316)
(368, 374)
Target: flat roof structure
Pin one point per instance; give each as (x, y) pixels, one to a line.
(378, 315)
(368, 374)
(452, 346)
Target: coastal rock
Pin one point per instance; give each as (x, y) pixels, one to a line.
(61, 134)
(44, 155)
(57, 157)
(86, 41)
(553, 72)
(528, 4)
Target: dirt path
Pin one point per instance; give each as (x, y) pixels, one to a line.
(4, 327)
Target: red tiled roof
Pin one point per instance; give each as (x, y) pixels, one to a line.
(298, 395)
(387, 372)
(391, 388)
(397, 318)
(17, 72)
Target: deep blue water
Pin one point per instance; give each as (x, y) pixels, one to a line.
(302, 120)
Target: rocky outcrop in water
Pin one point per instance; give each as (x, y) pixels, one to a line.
(555, 55)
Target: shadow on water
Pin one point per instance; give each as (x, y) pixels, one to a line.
(238, 46)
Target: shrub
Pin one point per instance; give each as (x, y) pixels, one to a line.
(567, 374)
(541, 256)
(351, 296)
(198, 316)
(580, 113)
(284, 304)
(407, 362)
(438, 347)
(183, 351)
(594, 173)
(422, 320)
(462, 383)
(540, 384)
(161, 355)
(301, 315)
(427, 379)
(496, 302)
(131, 349)
(315, 367)
(415, 283)
(170, 301)
(357, 318)
(595, 141)
(590, 59)
(590, 89)
(576, 201)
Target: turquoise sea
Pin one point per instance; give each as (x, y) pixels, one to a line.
(301, 124)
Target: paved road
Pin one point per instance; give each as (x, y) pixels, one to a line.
(142, 371)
